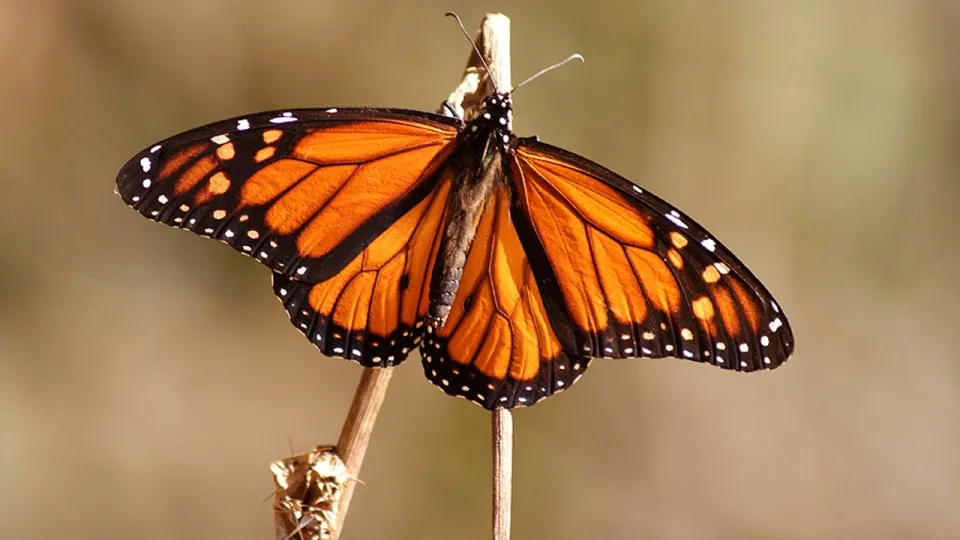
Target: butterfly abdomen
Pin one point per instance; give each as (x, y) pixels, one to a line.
(468, 199)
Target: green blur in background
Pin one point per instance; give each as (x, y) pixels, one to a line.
(148, 377)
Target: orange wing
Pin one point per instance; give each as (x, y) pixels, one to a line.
(343, 205)
(301, 191)
(632, 275)
(497, 347)
(373, 310)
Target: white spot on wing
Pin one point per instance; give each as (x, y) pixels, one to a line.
(637, 189)
(243, 124)
(331, 111)
(145, 164)
(283, 118)
(154, 149)
(710, 244)
(220, 139)
(146, 182)
(676, 219)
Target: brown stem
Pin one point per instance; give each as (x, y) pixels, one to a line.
(502, 472)
(357, 429)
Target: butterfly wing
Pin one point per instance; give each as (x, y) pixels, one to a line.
(497, 347)
(372, 311)
(302, 191)
(628, 275)
(343, 205)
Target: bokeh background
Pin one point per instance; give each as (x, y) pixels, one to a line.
(148, 377)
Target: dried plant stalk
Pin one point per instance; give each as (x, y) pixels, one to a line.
(309, 488)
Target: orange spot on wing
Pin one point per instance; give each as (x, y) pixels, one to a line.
(710, 274)
(358, 142)
(264, 154)
(703, 310)
(226, 151)
(267, 183)
(193, 175)
(178, 160)
(218, 184)
(271, 136)
(675, 259)
(678, 240)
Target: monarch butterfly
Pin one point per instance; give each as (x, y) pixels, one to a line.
(509, 262)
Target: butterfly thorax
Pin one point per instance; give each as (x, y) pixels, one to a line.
(479, 162)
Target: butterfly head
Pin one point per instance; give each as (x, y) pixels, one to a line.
(494, 119)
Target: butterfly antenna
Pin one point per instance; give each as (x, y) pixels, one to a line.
(575, 56)
(475, 49)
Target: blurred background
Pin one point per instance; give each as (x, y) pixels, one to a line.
(148, 377)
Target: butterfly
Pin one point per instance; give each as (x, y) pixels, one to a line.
(508, 262)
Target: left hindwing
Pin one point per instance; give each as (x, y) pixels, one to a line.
(630, 275)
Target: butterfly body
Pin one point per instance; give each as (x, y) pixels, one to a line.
(508, 262)
(485, 141)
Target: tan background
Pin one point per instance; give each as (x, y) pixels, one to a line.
(147, 377)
